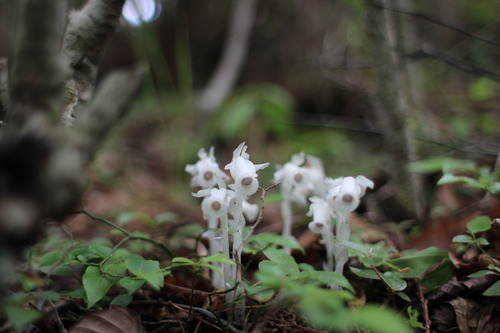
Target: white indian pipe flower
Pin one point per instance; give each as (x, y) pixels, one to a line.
(215, 203)
(316, 175)
(206, 172)
(250, 211)
(345, 193)
(321, 214)
(244, 172)
(300, 178)
(321, 224)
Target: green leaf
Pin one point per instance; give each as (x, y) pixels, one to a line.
(324, 278)
(148, 270)
(264, 240)
(325, 308)
(404, 296)
(126, 217)
(482, 89)
(219, 258)
(78, 293)
(451, 165)
(380, 320)
(122, 300)
(449, 178)
(97, 284)
(481, 273)
(479, 224)
(183, 260)
(462, 239)
(19, 316)
(419, 261)
(259, 292)
(238, 115)
(394, 281)
(429, 165)
(482, 241)
(285, 261)
(56, 257)
(100, 250)
(493, 290)
(439, 276)
(165, 217)
(413, 318)
(131, 284)
(365, 273)
(270, 275)
(49, 260)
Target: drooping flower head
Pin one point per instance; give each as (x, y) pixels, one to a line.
(206, 172)
(215, 202)
(300, 178)
(244, 172)
(321, 214)
(345, 192)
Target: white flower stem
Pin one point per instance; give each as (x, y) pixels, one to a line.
(343, 232)
(286, 213)
(239, 224)
(330, 244)
(225, 250)
(214, 246)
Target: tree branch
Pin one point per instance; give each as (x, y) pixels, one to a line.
(111, 101)
(235, 50)
(39, 68)
(467, 67)
(4, 89)
(441, 23)
(87, 35)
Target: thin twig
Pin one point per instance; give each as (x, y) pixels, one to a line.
(260, 217)
(129, 235)
(425, 308)
(176, 316)
(467, 67)
(441, 23)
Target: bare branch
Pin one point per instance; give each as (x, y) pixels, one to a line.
(37, 74)
(87, 35)
(112, 99)
(4, 89)
(441, 23)
(467, 67)
(234, 54)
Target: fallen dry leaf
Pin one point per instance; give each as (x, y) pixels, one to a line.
(118, 319)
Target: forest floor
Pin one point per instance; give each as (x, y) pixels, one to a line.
(188, 301)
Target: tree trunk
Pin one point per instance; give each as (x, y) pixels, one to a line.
(393, 99)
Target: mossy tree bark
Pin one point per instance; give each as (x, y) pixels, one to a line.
(42, 161)
(393, 100)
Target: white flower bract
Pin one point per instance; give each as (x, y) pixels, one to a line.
(244, 172)
(206, 172)
(215, 202)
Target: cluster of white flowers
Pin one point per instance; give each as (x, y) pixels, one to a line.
(342, 197)
(303, 179)
(220, 202)
(299, 179)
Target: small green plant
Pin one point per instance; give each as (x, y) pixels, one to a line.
(474, 227)
(304, 287)
(413, 318)
(461, 171)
